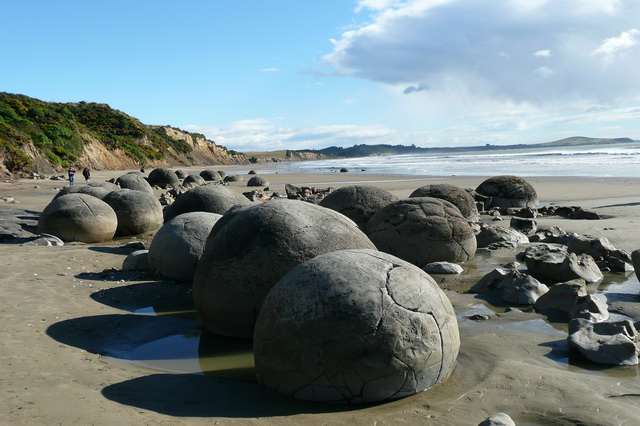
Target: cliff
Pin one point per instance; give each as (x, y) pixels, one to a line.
(48, 137)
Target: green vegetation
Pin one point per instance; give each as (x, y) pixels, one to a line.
(60, 132)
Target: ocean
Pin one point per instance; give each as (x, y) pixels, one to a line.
(619, 160)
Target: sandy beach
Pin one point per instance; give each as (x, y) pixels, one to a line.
(78, 334)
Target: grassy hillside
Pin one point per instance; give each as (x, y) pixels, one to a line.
(60, 131)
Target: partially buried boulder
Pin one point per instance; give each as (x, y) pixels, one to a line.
(422, 230)
(250, 248)
(78, 217)
(258, 181)
(206, 198)
(613, 343)
(178, 245)
(508, 191)
(355, 326)
(499, 234)
(137, 211)
(95, 191)
(210, 175)
(135, 182)
(552, 263)
(358, 202)
(453, 194)
(191, 181)
(163, 178)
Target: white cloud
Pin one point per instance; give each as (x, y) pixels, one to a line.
(484, 48)
(270, 70)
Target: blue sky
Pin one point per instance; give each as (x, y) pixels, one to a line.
(257, 75)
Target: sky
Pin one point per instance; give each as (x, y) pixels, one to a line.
(256, 75)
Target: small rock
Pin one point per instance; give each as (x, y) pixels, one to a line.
(498, 419)
(443, 268)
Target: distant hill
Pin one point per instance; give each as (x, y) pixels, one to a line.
(382, 149)
(48, 136)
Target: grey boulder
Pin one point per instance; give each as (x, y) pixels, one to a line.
(612, 343)
(508, 191)
(358, 202)
(522, 289)
(258, 181)
(355, 326)
(191, 181)
(210, 175)
(136, 261)
(553, 263)
(135, 182)
(206, 198)
(95, 191)
(562, 298)
(422, 230)
(493, 234)
(443, 268)
(78, 217)
(137, 211)
(457, 196)
(178, 245)
(163, 178)
(250, 248)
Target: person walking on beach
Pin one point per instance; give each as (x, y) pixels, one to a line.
(86, 173)
(71, 172)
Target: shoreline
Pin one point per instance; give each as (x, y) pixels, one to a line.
(68, 327)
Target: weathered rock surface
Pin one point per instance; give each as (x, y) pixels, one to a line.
(422, 230)
(250, 248)
(499, 234)
(178, 245)
(79, 217)
(453, 194)
(358, 202)
(137, 211)
(258, 181)
(612, 343)
(553, 263)
(508, 191)
(355, 326)
(524, 225)
(521, 288)
(163, 178)
(135, 182)
(443, 268)
(206, 198)
(562, 298)
(591, 308)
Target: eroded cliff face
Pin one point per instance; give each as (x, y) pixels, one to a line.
(96, 156)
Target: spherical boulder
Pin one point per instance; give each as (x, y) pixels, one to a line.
(233, 178)
(358, 202)
(355, 326)
(222, 174)
(95, 191)
(78, 217)
(250, 248)
(422, 230)
(179, 243)
(163, 178)
(210, 175)
(135, 182)
(181, 174)
(508, 191)
(258, 180)
(205, 198)
(137, 211)
(191, 181)
(453, 194)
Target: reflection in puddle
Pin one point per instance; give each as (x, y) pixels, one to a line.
(197, 353)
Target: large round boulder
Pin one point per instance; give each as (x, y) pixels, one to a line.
(210, 175)
(258, 180)
(250, 248)
(135, 182)
(95, 191)
(191, 181)
(453, 194)
(355, 326)
(358, 202)
(422, 230)
(163, 178)
(181, 174)
(78, 217)
(205, 198)
(177, 246)
(508, 191)
(137, 211)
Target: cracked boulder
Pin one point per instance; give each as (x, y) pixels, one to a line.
(250, 248)
(163, 178)
(355, 326)
(358, 202)
(499, 234)
(453, 194)
(422, 230)
(206, 198)
(562, 298)
(178, 245)
(135, 182)
(613, 343)
(521, 288)
(137, 211)
(553, 263)
(508, 191)
(79, 217)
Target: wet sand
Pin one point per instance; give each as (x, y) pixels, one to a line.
(83, 344)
